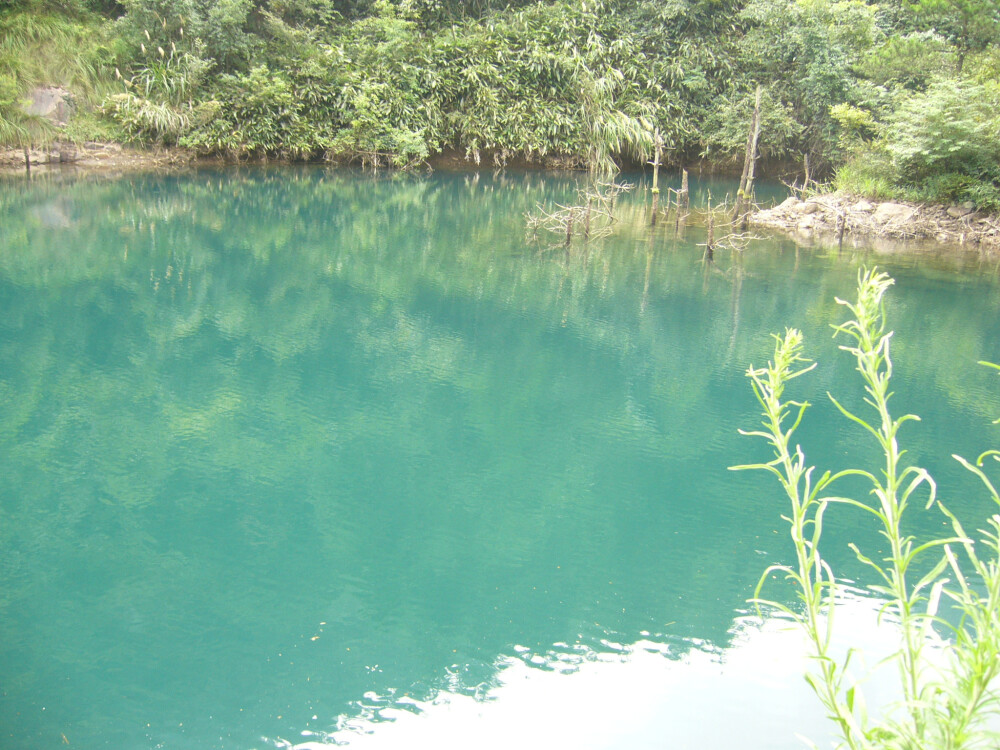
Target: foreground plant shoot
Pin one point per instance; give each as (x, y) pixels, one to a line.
(946, 663)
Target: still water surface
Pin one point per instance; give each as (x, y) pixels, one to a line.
(305, 457)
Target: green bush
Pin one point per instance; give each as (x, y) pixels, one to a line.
(157, 105)
(544, 80)
(144, 120)
(911, 61)
(216, 30)
(952, 128)
(263, 116)
(959, 188)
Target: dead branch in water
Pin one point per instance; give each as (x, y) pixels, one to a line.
(592, 218)
(733, 237)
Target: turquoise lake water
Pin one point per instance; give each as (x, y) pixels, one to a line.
(301, 457)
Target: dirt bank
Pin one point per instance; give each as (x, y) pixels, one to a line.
(835, 215)
(110, 157)
(113, 157)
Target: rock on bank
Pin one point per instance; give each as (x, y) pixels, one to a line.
(838, 215)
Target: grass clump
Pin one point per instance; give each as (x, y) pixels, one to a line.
(866, 177)
(948, 699)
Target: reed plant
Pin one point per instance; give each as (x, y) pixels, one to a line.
(946, 662)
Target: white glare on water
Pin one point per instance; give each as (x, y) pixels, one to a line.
(750, 694)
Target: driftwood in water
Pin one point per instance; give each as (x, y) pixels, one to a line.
(710, 240)
(723, 237)
(683, 203)
(595, 214)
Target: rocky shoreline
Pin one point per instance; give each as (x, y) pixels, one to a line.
(835, 216)
(114, 157)
(93, 156)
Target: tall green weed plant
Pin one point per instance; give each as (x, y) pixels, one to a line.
(946, 665)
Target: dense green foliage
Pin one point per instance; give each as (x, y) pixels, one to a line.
(901, 95)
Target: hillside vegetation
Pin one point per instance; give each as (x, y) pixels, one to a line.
(890, 98)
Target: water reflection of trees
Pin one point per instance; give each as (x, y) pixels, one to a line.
(165, 335)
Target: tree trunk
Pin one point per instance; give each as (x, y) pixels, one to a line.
(656, 176)
(749, 164)
(748, 193)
